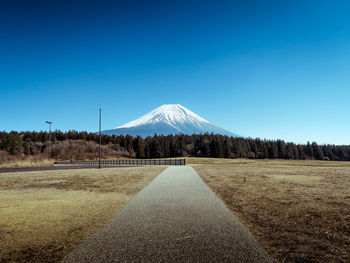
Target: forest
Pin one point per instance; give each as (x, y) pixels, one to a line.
(74, 145)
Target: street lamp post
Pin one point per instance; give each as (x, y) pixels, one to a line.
(99, 146)
(49, 123)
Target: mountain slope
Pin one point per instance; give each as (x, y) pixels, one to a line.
(168, 119)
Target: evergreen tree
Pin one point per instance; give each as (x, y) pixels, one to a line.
(148, 148)
(282, 149)
(129, 144)
(295, 151)
(14, 143)
(139, 147)
(273, 151)
(253, 149)
(301, 152)
(216, 147)
(228, 153)
(237, 148)
(309, 151)
(262, 149)
(290, 154)
(181, 145)
(318, 154)
(156, 148)
(341, 153)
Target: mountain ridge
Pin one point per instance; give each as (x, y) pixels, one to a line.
(169, 119)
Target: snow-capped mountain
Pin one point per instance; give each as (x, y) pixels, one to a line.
(168, 119)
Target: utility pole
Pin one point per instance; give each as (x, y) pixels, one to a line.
(99, 147)
(48, 151)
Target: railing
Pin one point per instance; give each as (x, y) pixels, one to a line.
(128, 162)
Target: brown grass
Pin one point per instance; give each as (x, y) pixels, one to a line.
(27, 163)
(298, 210)
(269, 162)
(45, 215)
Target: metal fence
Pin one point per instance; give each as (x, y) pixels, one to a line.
(128, 162)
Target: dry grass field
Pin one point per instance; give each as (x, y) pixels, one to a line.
(46, 214)
(298, 210)
(29, 162)
(35, 162)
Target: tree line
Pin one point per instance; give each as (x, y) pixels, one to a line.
(196, 145)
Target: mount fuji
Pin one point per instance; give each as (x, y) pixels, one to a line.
(169, 119)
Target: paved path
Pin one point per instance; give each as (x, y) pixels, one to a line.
(176, 218)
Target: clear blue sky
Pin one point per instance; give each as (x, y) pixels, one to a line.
(268, 69)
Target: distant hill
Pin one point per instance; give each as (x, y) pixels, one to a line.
(169, 119)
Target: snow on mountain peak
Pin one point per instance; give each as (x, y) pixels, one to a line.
(171, 114)
(168, 119)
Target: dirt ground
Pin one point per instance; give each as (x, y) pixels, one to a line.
(299, 211)
(46, 214)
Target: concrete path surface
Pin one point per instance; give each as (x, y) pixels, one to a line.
(176, 218)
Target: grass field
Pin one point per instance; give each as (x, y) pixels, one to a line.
(298, 210)
(35, 162)
(30, 162)
(44, 215)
